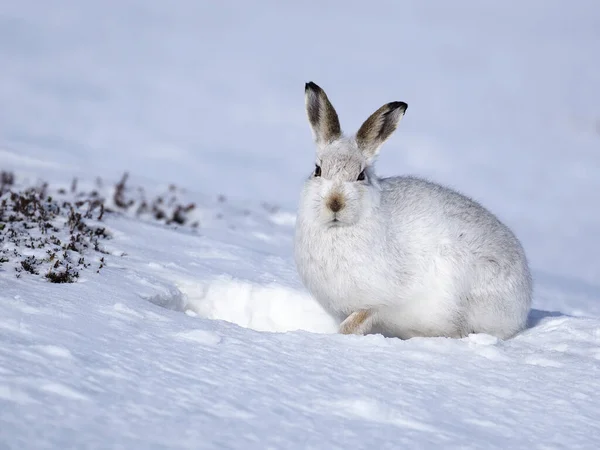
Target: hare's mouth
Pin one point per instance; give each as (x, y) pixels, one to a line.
(335, 222)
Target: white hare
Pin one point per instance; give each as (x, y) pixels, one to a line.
(401, 256)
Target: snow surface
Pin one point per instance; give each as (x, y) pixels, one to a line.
(502, 105)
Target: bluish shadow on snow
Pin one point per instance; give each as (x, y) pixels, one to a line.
(571, 295)
(171, 298)
(537, 315)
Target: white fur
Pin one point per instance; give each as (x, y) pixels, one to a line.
(426, 260)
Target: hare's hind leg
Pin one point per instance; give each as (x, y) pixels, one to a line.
(359, 322)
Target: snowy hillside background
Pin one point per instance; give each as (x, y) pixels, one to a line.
(503, 105)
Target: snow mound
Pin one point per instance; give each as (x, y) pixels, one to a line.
(270, 307)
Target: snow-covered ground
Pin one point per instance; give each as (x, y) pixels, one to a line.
(209, 95)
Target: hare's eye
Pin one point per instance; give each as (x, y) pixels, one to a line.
(317, 171)
(361, 176)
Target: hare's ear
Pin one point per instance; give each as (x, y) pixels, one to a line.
(321, 115)
(377, 128)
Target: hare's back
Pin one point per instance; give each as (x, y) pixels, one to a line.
(415, 205)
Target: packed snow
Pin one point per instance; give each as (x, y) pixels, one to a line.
(200, 334)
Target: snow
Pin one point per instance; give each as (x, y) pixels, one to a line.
(205, 338)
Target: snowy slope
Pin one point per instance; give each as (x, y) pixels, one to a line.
(502, 105)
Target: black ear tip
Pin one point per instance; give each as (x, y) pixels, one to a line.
(398, 105)
(310, 86)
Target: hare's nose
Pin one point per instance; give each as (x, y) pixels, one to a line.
(335, 203)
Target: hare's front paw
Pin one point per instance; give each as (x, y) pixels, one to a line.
(359, 322)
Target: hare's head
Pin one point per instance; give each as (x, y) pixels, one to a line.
(343, 186)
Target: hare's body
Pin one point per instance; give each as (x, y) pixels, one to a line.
(402, 256)
(426, 261)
